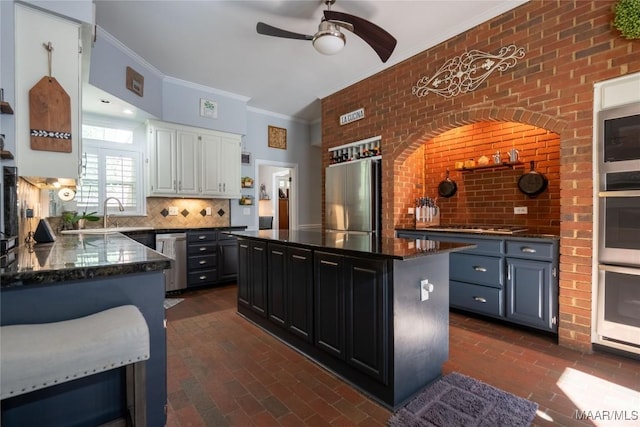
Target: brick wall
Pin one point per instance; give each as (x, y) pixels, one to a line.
(488, 196)
(569, 45)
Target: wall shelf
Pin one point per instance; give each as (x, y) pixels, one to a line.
(6, 155)
(502, 165)
(5, 108)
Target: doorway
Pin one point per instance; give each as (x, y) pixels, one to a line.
(278, 194)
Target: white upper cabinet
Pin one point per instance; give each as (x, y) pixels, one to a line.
(187, 161)
(220, 165)
(33, 30)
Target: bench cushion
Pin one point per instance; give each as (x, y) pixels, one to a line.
(41, 355)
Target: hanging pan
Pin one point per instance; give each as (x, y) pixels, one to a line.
(447, 187)
(532, 183)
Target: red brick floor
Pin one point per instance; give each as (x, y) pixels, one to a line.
(224, 371)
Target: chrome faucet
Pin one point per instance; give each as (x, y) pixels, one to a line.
(104, 209)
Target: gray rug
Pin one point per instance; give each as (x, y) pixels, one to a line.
(170, 302)
(458, 400)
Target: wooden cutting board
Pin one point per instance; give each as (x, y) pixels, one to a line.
(50, 116)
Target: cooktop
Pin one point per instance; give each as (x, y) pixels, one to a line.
(470, 228)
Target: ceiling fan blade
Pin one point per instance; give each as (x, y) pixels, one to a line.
(380, 40)
(269, 30)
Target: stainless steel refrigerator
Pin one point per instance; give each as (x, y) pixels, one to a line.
(353, 198)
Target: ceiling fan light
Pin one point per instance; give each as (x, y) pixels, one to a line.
(328, 40)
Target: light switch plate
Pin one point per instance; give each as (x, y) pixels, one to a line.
(208, 210)
(520, 210)
(173, 211)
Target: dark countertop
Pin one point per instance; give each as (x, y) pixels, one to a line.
(79, 257)
(386, 247)
(518, 235)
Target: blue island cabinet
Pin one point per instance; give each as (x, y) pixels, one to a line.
(99, 398)
(353, 305)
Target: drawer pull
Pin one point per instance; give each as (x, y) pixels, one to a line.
(201, 237)
(480, 269)
(203, 277)
(203, 248)
(480, 299)
(528, 250)
(202, 262)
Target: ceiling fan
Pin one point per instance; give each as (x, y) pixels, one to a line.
(329, 39)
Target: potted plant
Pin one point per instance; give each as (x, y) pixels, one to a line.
(73, 220)
(627, 18)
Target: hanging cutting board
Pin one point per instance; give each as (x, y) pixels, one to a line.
(50, 116)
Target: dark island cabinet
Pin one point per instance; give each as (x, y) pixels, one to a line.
(352, 311)
(290, 286)
(252, 285)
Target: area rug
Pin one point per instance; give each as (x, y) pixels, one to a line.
(170, 302)
(458, 400)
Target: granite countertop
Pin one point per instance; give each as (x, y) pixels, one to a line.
(386, 247)
(78, 257)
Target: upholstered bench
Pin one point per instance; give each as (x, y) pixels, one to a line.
(36, 356)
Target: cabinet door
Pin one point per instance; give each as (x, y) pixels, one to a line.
(209, 165)
(529, 293)
(277, 283)
(329, 303)
(188, 163)
(366, 297)
(162, 161)
(300, 292)
(229, 166)
(33, 28)
(258, 284)
(227, 260)
(244, 272)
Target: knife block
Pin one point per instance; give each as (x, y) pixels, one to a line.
(426, 217)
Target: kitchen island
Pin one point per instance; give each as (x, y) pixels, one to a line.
(373, 311)
(76, 276)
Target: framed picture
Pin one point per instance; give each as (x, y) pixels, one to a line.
(277, 137)
(245, 158)
(135, 81)
(208, 108)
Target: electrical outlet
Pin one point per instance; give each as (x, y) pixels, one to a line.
(425, 289)
(410, 211)
(173, 211)
(520, 210)
(208, 210)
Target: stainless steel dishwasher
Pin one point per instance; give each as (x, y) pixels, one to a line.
(174, 246)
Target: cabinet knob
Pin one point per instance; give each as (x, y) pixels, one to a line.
(480, 299)
(479, 268)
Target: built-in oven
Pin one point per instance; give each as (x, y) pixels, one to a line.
(619, 218)
(619, 305)
(618, 294)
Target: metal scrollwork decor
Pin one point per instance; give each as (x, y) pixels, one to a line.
(466, 72)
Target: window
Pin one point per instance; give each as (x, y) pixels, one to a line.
(112, 167)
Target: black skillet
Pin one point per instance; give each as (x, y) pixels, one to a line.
(447, 187)
(532, 183)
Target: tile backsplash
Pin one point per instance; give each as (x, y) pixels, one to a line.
(189, 214)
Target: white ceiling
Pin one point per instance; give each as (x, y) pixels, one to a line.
(214, 43)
